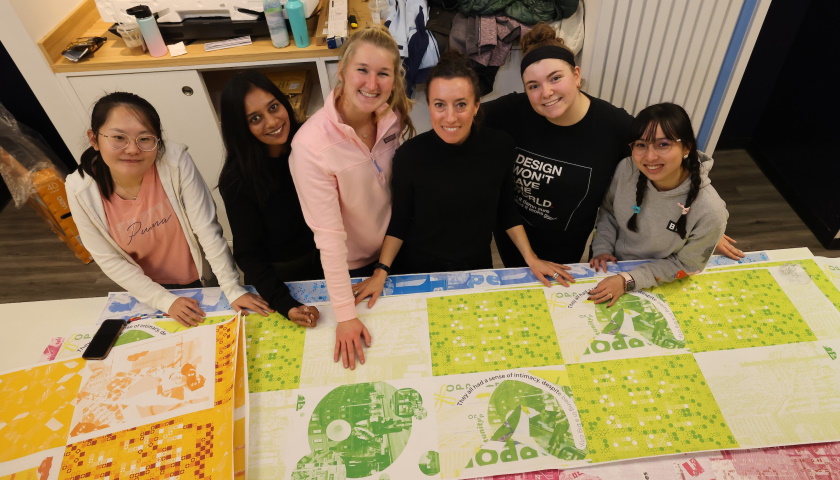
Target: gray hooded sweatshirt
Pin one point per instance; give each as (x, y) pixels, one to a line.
(657, 239)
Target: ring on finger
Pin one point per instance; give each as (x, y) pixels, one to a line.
(355, 293)
(611, 295)
(556, 274)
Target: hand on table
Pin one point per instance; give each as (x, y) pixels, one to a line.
(726, 248)
(186, 311)
(548, 271)
(608, 290)
(600, 261)
(348, 342)
(304, 315)
(370, 287)
(254, 303)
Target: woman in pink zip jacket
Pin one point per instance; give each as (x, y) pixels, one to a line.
(341, 166)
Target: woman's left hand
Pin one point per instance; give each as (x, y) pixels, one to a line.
(254, 303)
(608, 290)
(548, 271)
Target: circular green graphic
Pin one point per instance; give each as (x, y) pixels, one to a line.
(430, 463)
(364, 426)
(527, 415)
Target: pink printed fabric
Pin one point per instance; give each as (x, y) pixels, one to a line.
(819, 460)
(148, 230)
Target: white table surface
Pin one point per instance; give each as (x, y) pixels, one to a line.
(28, 327)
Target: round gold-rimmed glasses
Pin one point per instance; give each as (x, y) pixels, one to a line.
(119, 141)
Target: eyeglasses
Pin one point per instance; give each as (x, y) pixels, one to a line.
(660, 146)
(147, 143)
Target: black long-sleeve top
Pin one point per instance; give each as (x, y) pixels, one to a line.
(447, 199)
(267, 227)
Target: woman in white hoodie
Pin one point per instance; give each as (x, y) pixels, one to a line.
(660, 205)
(145, 214)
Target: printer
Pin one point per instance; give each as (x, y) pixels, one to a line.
(175, 11)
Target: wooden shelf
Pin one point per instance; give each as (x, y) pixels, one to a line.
(85, 21)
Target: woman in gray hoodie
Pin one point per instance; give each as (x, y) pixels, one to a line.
(660, 205)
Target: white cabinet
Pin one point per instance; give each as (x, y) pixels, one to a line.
(186, 112)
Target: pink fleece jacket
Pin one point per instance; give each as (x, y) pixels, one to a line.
(345, 194)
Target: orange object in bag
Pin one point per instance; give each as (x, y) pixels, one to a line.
(49, 200)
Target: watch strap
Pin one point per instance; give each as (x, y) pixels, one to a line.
(382, 266)
(629, 281)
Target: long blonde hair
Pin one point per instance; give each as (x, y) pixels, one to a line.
(379, 36)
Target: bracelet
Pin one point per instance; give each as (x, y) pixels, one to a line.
(382, 266)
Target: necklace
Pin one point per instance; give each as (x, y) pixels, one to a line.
(365, 135)
(133, 197)
(367, 126)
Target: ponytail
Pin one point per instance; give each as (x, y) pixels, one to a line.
(91, 163)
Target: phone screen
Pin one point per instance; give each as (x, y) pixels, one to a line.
(104, 339)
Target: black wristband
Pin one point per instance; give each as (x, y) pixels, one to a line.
(384, 267)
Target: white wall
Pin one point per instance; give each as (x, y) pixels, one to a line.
(22, 24)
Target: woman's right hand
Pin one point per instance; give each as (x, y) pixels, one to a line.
(304, 315)
(348, 342)
(186, 311)
(600, 261)
(370, 287)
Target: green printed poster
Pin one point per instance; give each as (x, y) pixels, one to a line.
(478, 383)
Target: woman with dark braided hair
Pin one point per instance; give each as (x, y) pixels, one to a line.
(660, 205)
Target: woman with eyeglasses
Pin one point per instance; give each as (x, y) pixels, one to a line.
(660, 205)
(568, 144)
(145, 214)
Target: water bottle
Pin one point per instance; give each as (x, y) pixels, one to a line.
(276, 23)
(149, 28)
(294, 8)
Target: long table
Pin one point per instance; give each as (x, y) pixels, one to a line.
(398, 375)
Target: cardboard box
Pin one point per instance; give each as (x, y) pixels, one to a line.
(296, 85)
(357, 8)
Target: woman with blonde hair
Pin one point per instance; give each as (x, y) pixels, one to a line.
(341, 166)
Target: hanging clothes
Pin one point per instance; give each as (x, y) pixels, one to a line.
(418, 48)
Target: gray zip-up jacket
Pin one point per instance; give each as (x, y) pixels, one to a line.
(674, 257)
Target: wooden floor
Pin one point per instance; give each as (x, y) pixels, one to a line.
(35, 265)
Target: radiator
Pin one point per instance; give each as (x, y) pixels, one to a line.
(641, 52)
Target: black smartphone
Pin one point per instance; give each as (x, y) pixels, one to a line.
(104, 339)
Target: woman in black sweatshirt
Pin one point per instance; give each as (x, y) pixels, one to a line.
(451, 187)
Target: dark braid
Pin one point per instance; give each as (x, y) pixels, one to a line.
(692, 164)
(641, 186)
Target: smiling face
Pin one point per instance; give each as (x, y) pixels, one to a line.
(268, 120)
(552, 88)
(452, 107)
(130, 163)
(367, 79)
(663, 168)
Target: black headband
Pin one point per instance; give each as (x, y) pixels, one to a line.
(547, 51)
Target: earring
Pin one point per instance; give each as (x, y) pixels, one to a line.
(685, 156)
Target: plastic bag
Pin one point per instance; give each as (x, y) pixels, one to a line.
(36, 177)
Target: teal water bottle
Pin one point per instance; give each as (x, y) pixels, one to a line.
(294, 9)
(276, 23)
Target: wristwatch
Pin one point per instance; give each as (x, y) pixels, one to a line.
(384, 267)
(629, 283)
